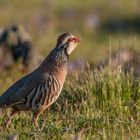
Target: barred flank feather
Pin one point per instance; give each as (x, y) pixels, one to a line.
(44, 94)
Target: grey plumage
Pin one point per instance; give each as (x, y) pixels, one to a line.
(4, 98)
(29, 88)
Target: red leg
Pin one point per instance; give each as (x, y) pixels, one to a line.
(35, 118)
(8, 122)
(0, 111)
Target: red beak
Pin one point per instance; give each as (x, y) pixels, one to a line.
(75, 39)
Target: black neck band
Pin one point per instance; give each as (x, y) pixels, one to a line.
(67, 55)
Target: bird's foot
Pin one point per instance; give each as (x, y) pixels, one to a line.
(7, 123)
(37, 128)
(36, 125)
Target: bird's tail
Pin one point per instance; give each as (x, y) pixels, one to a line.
(2, 102)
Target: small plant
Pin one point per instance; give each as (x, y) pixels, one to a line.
(107, 107)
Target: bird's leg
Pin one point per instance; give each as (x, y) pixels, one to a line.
(8, 121)
(0, 111)
(35, 118)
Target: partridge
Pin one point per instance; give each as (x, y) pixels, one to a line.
(41, 88)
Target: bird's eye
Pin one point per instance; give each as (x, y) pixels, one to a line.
(70, 39)
(74, 39)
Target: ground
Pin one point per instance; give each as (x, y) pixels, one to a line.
(94, 106)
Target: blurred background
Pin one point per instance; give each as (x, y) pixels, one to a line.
(90, 101)
(101, 24)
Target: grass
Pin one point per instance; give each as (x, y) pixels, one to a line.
(99, 107)
(95, 106)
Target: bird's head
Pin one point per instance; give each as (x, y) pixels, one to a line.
(67, 42)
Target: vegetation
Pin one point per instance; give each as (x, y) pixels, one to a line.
(94, 105)
(98, 107)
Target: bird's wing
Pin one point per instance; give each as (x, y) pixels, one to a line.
(12, 90)
(44, 94)
(34, 89)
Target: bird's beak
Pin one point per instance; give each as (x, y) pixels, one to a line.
(74, 39)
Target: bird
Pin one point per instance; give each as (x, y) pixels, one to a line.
(40, 89)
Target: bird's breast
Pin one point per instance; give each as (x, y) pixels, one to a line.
(60, 75)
